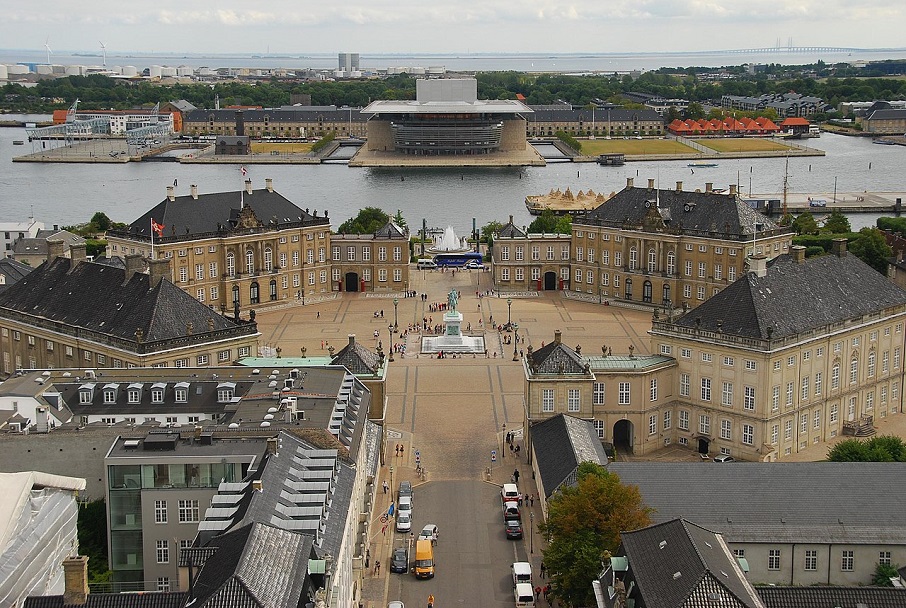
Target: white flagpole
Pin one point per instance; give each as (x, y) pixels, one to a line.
(152, 237)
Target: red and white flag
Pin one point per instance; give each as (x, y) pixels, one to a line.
(157, 228)
(244, 171)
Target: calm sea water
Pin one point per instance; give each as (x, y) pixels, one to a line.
(538, 62)
(66, 194)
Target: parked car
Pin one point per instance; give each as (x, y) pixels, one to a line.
(399, 562)
(511, 511)
(405, 505)
(396, 604)
(405, 490)
(724, 458)
(473, 265)
(429, 532)
(513, 529)
(404, 521)
(509, 492)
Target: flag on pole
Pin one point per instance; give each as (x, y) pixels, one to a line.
(242, 199)
(157, 228)
(244, 171)
(391, 509)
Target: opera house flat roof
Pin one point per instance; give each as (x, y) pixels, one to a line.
(490, 106)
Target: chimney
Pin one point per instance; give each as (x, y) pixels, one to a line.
(134, 263)
(257, 485)
(558, 335)
(78, 254)
(629, 182)
(272, 446)
(248, 186)
(650, 183)
(758, 265)
(798, 254)
(171, 193)
(838, 247)
(511, 220)
(679, 186)
(351, 340)
(159, 269)
(269, 184)
(193, 189)
(709, 186)
(75, 580)
(732, 190)
(55, 249)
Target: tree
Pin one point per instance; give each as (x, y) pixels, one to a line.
(695, 111)
(545, 223)
(489, 230)
(872, 249)
(399, 220)
(92, 531)
(883, 448)
(836, 223)
(883, 574)
(101, 221)
(584, 521)
(368, 221)
(805, 224)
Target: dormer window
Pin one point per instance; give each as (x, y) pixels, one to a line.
(225, 391)
(181, 392)
(134, 392)
(86, 394)
(157, 392)
(110, 391)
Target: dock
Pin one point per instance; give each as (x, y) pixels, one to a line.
(844, 202)
(562, 203)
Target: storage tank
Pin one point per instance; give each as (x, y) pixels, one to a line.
(168, 71)
(154, 71)
(437, 70)
(184, 70)
(4, 73)
(17, 69)
(416, 71)
(130, 71)
(44, 70)
(75, 70)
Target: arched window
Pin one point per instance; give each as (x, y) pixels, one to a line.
(666, 294)
(254, 296)
(853, 370)
(646, 291)
(235, 294)
(268, 259)
(628, 287)
(652, 260)
(231, 264)
(633, 258)
(835, 375)
(273, 290)
(250, 261)
(671, 263)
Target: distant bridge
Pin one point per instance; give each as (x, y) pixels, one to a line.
(793, 50)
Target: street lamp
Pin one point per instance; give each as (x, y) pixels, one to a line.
(531, 532)
(391, 346)
(395, 324)
(509, 311)
(515, 341)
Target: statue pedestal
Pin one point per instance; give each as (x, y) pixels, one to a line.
(452, 340)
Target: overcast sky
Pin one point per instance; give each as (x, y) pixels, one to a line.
(462, 26)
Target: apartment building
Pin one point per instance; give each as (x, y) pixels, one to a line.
(522, 261)
(371, 262)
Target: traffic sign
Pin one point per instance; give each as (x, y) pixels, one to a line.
(493, 455)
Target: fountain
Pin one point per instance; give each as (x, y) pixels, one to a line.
(452, 340)
(449, 242)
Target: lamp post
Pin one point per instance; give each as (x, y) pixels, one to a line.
(391, 345)
(515, 342)
(531, 532)
(509, 313)
(396, 326)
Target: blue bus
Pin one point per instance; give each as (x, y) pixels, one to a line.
(455, 260)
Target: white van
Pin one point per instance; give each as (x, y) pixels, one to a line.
(426, 264)
(524, 596)
(509, 492)
(522, 573)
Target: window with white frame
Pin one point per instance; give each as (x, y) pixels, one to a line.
(163, 583)
(163, 552)
(597, 393)
(188, 511)
(726, 394)
(748, 434)
(652, 424)
(853, 370)
(803, 394)
(652, 389)
(704, 424)
(788, 429)
(573, 401)
(847, 560)
(547, 400)
(884, 556)
(706, 389)
(726, 429)
(774, 559)
(871, 364)
(599, 428)
(775, 398)
(707, 357)
(624, 393)
(683, 422)
(729, 361)
(160, 511)
(811, 559)
(684, 385)
(749, 398)
(789, 394)
(775, 433)
(667, 420)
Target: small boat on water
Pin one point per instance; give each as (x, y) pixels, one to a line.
(701, 165)
(884, 142)
(18, 142)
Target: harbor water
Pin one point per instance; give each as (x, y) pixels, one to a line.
(70, 193)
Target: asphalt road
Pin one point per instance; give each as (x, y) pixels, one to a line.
(473, 555)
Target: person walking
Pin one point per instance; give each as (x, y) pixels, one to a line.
(386, 486)
(516, 475)
(377, 567)
(543, 570)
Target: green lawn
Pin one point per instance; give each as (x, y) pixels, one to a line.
(266, 147)
(593, 147)
(740, 144)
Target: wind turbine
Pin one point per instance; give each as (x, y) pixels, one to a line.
(47, 48)
(104, 51)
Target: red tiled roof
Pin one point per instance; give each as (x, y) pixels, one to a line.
(795, 121)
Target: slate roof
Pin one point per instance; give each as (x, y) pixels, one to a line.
(96, 297)
(284, 114)
(172, 599)
(561, 444)
(716, 215)
(390, 231)
(889, 114)
(704, 563)
(13, 271)
(256, 566)
(780, 502)
(511, 231)
(832, 597)
(556, 358)
(187, 217)
(795, 297)
(38, 244)
(357, 358)
(568, 114)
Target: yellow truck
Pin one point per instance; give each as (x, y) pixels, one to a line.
(424, 559)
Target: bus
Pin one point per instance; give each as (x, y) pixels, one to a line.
(455, 260)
